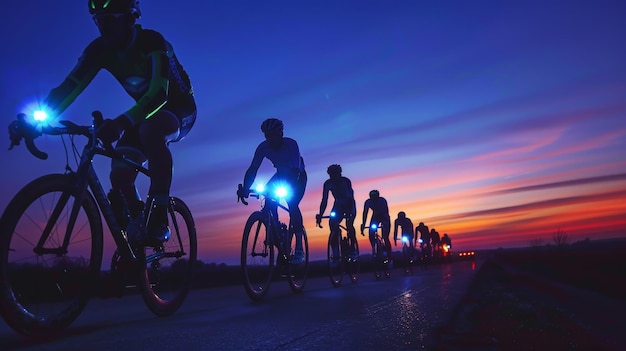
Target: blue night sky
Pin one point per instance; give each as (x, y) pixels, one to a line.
(497, 122)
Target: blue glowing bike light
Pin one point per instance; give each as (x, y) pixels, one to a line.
(405, 239)
(40, 115)
(374, 226)
(260, 188)
(333, 214)
(281, 191)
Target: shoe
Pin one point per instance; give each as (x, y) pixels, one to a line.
(298, 257)
(158, 230)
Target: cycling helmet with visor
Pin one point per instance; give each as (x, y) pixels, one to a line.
(113, 8)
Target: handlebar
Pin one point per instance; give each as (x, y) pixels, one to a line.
(21, 129)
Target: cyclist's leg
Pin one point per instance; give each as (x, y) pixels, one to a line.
(295, 215)
(352, 234)
(372, 237)
(386, 232)
(122, 175)
(155, 133)
(335, 235)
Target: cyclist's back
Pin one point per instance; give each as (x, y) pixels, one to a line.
(406, 228)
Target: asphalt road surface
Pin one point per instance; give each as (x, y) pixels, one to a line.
(399, 313)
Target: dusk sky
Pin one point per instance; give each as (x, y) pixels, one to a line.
(497, 122)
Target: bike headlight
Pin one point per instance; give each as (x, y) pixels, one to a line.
(281, 192)
(405, 239)
(259, 189)
(37, 115)
(333, 214)
(374, 226)
(420, 241)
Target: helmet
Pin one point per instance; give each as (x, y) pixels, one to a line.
(401, 214)
(271, 125)
(98, 7)
(334, 169)
(374, 194)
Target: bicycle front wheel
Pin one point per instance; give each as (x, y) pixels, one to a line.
(298, 272)
(257, 256)
(335, 263)
(50, 255)
(169, 271)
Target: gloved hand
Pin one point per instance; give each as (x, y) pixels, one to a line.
(111, 129)
(318, 219)
(243, 193)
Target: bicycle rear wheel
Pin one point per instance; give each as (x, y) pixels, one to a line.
(335, 263)
(45, 285)
(257, 256)
(169, 271)
(298, 272)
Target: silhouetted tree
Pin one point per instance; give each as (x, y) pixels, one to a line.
(560, 237)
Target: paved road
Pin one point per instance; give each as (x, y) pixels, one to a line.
(400, 313)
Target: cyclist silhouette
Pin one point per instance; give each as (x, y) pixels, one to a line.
(164, 111)
(406, 228)
(380, 214)
(284, 154)
(344, 205)
(424, 237)
(445, 239)
(435, 240)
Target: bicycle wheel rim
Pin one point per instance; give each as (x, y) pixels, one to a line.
(257, 257)
(169, 270)
(335, 270)
(43, 293)
(297, 273)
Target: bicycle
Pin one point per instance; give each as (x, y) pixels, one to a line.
(379, 254)
(262, 235)
(426, 255)
(408, 254)
(51, 240)
(344, 262)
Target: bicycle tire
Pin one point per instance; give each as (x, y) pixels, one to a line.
(353, 266)
(257, 257)
(41, 294)
(335, 270)
(298, 272)
(169, 272)
(377, 259)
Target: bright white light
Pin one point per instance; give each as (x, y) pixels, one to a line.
(332, 214)
(260, 188)
(405, 239)
(281, 191)
(40, 115)
(374, 226)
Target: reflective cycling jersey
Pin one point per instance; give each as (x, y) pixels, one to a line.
(147, 69)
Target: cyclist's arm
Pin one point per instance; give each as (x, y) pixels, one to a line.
(250, 175)
(395, 230)
(61, 97)
(324, 202)
(157, 94)
(365, 211)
